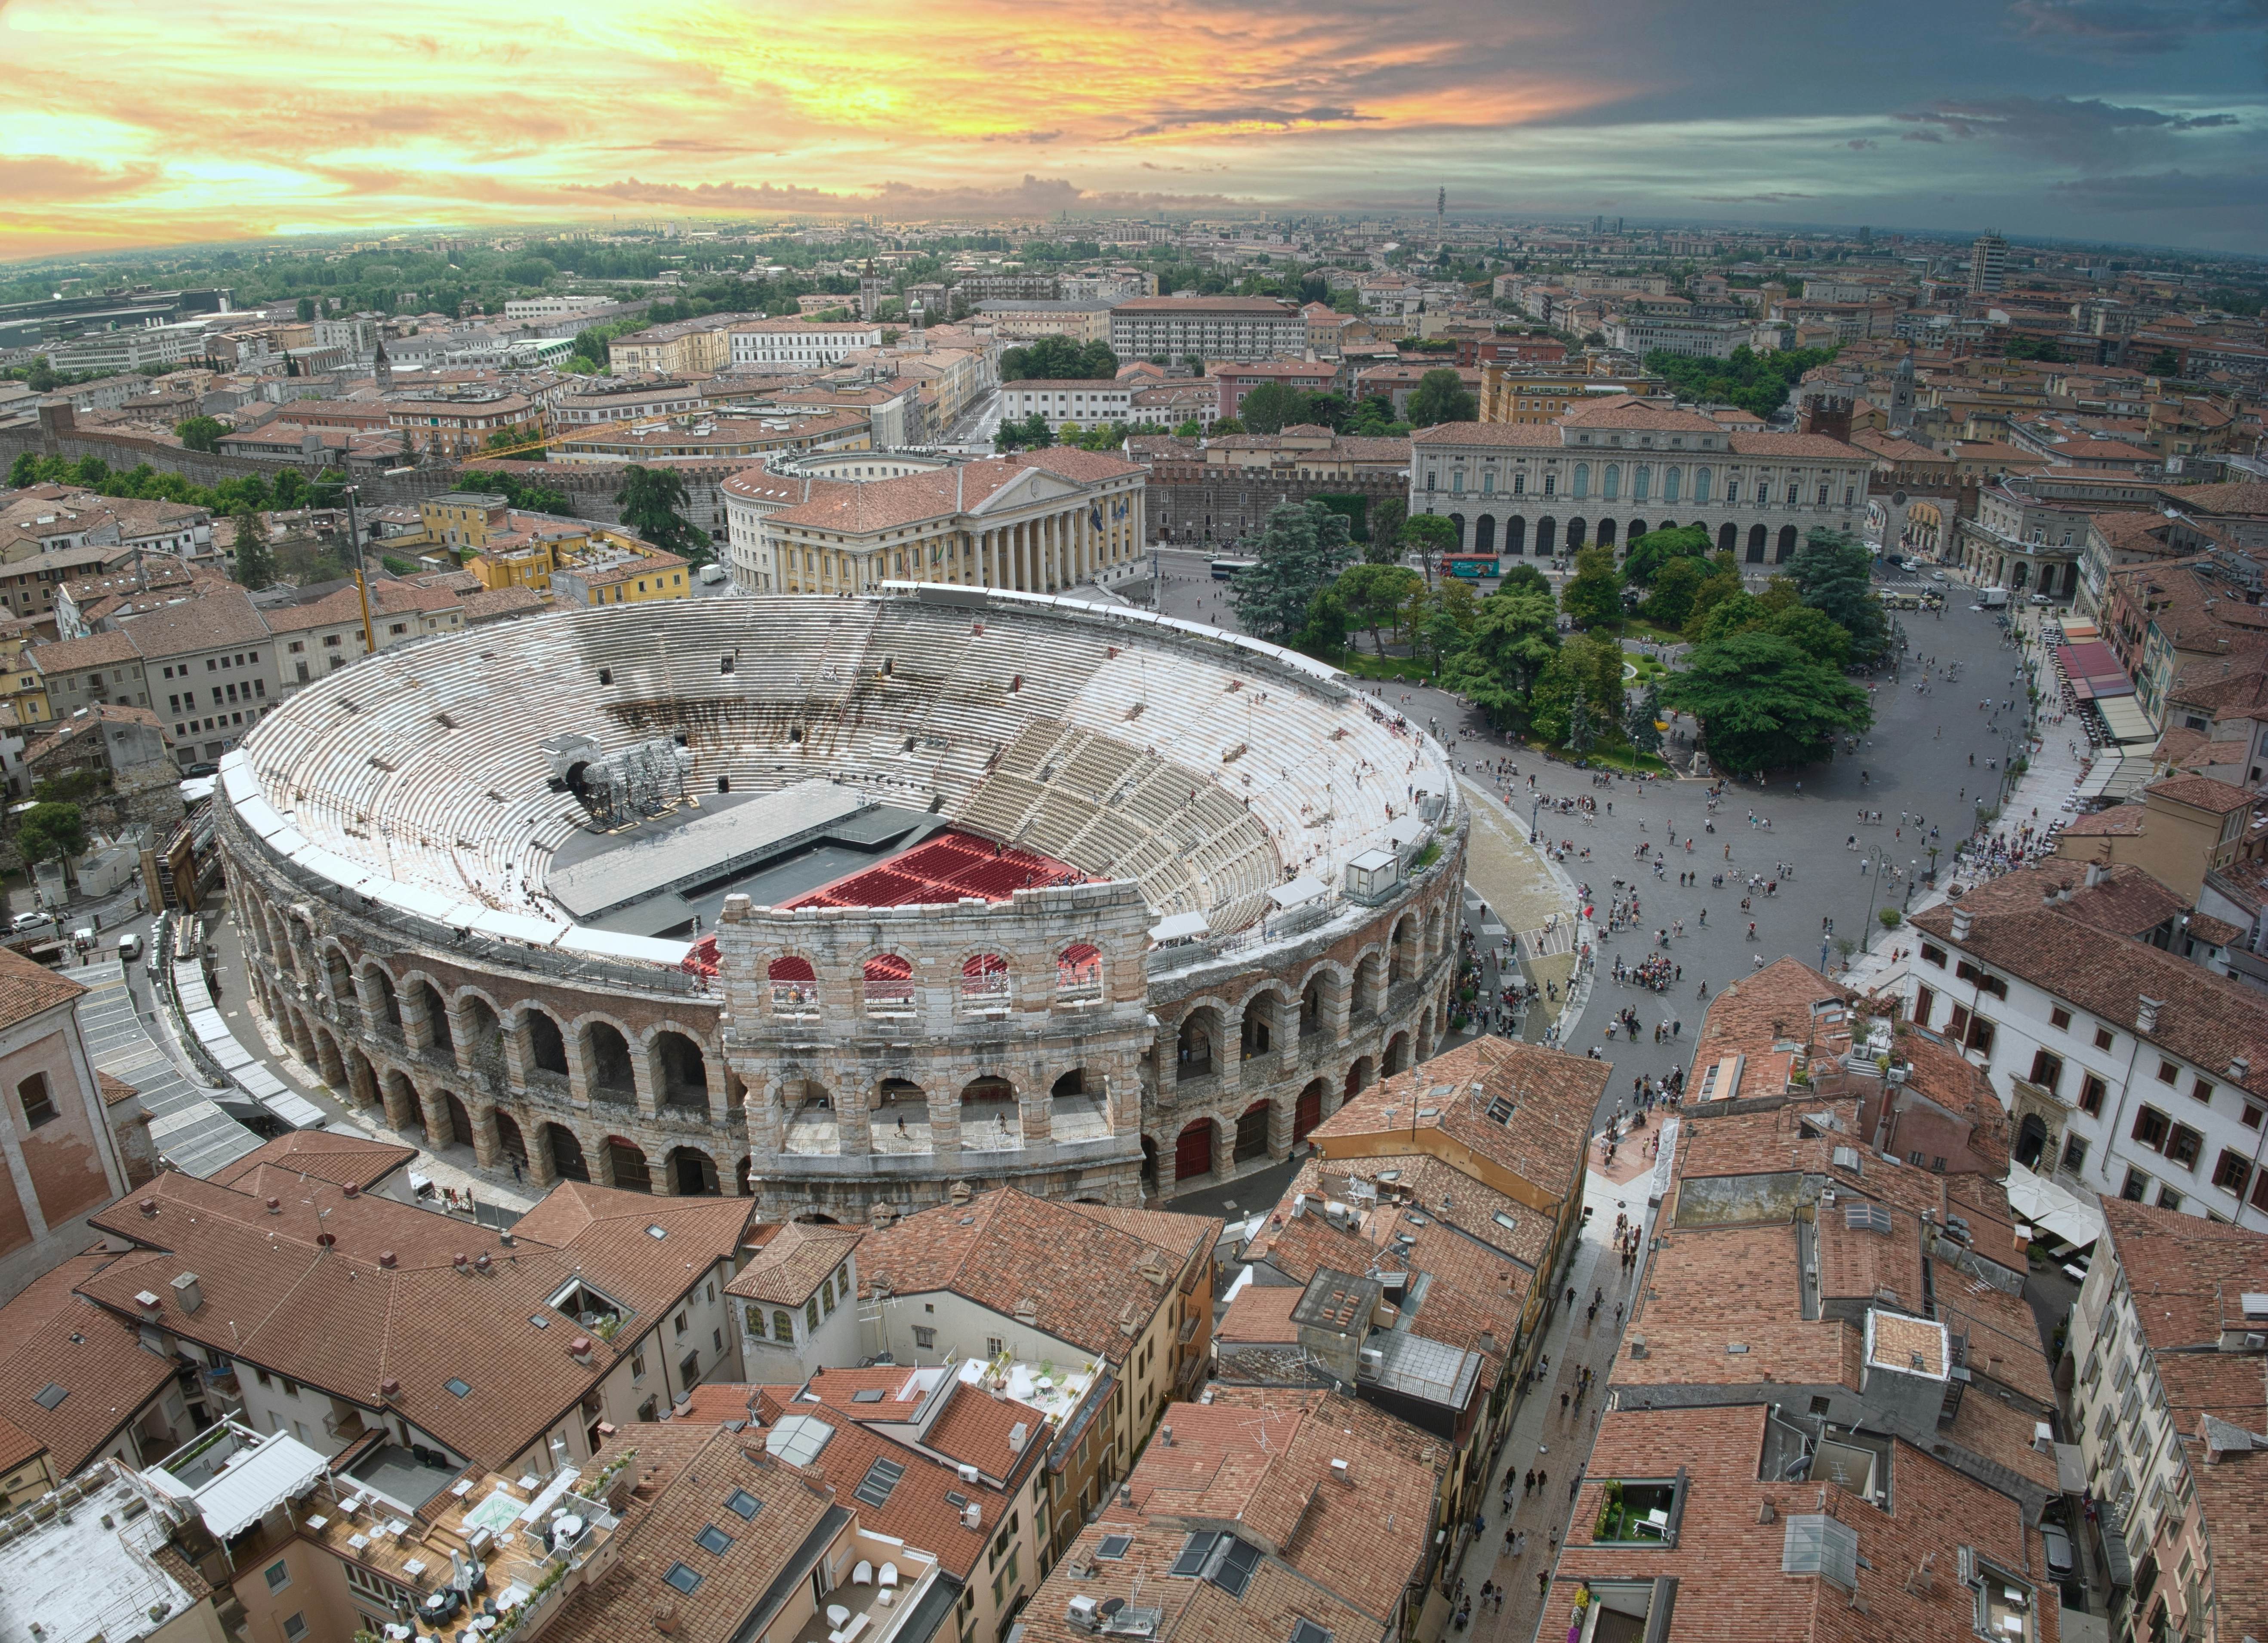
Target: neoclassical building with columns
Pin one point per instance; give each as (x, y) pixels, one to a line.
(1032, 522)
(1613, 470)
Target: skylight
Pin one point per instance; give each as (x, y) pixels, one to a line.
(1233, 1572)
(1309, 1632)
(1113, 1545)
(799, 1439)
(50, 1395)
(743, 1504)
(714, 1539)
(683, 1579)
(867, 1395)
(1822, 1545)
(1197, 1548)
(457, 1389)
(881, 1477)
(657, 1232)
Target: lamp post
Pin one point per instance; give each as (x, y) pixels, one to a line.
(1535, 823)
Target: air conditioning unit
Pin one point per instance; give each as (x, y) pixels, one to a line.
(969, 1474)
(1082, 1614)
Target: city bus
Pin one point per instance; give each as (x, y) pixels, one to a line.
(1471, 566)
(1224, 568)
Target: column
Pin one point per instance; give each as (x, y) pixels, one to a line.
(439, 1132)
(539, 1170)
(1035, 1111)
(488, 1150)
(944, 1122)
(854, 1121)
(400, 1099)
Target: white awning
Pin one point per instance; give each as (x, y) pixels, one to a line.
(255, 1483)
(2127, 720)
(1179, 927)
(1302, 888)
(2052, 1209)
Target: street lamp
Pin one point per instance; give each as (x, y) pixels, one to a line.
(1535, 823)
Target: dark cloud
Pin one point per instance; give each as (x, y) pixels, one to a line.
(1273, 118)
(1024, 137)
(1862, 143)
(1035, 196)
(1777, 198)
(2244, 191)
(2087, 133)
(2117, 27)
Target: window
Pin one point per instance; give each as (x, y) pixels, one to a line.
(924, 1336)
(637, 1366)
(295, 1626)
(2201, 1090)
(2103, 1038)
(685, 1579)
(714, 1539)
(2232, 1172)
(994, 1346)
(2167, 1071)
(783, 1325)
(2169, 1198)
(2074, 1152)
(2151, 1128)
(2047, 1071)
(39, 1106)
(2251, 1116)
(811, 1312)
(2137, 1184)
(743, 1504)
(278, 1575)
(1933, 955)
(2092, 1089)
(2060, 1018)
(2183, 1146)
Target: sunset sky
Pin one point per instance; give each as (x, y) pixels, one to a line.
(132, 124)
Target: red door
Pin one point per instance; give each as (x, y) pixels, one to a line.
(1193, 1152)
(1308, 1113)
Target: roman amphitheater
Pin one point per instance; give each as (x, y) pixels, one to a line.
(849, 904)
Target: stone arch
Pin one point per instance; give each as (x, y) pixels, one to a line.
(510, 1141)
(1315, 991)
(794, 984)
(985, 982)
(461, 1120)
(1369, 993)
(1728, 537)
(681, 1069)
(1307, 1110)
(606, 1058)
(1484, 533)
(743, 1177)
(377, 978)
(1193, 1149)
(1458, 521)
(1515, 535)
(566, 1153)
(1263, 1026)
(886, 984)
(1401, 959)
(424, 996)
(1606, 532)
(1547, 536)
(1397, 1055)
(404, 1110)
(338, 972)
(546, 1045)
(992, 1119)
(626, 1165)
(483, 1035)
(1197, 1043)
(1078, 971)
(693, 1174)
(1432, 947)
(362, 1079)
(1756, 538)
(1576, 530)
(1635, 529)
(1149, 1166)
(1785, 546)
(1360, 1076)
(328, 1062)
(1252, 1131)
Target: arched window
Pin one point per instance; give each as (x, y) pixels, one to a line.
(783, 1325)
(1700, 485)
(1614, 484)
(1669, 478)
(1582, 479)
(1641, 482)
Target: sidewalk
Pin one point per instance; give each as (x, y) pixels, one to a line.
(1540, 1437)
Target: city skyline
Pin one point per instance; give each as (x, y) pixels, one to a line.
(2080, 120)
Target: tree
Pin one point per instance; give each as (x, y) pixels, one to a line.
(1373, 419)
(2164, 362)
(1670, 603)
(1442, 396)
(1763, 703)
(1387, 515)
(1272, 406)
(1443, 621)
(1833, 572)
(1815, 633)
(1375, 595)
(305, 309)
(1515, 633)
(1638, 723)
(1325, 631)
(1579, 691)
(1058, 359)
(47, 831)
(1753, 382)
(1429, 536)
(651, 499)
(1299, 551)
(200, 433)
(254, 565)
(1644, 555)
(1593, 597)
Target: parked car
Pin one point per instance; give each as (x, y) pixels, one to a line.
(203, 768)
(2059, 1550)
(1937, 576)
(2042, 599)
(129, 948)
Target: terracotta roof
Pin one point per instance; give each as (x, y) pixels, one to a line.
(50, 1337)
(27, 989)
(794, 1261)
(1534, 435)
(1076, 1266)
(1813, 445)
(1262, 1314)
(335, 1156)
(97, 650)
(223, 615)
(690, 1471)
(1627, 410)
(2203, 792)
(2187, 1275)
(1273, 1602)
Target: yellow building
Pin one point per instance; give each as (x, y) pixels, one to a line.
(23, 687)
(622, 575)
(463, 519)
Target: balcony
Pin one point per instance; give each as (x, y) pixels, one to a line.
(887, 999)
(795, 999)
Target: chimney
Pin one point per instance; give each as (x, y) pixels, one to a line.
(149, 1208)
(2145, 1014)
(1963, 920)
(2094, 874)
(353, 1188)
(389, 1391)
(1341, 1471)
(150, 1305)
(1166, 1436)
(972, 1515)
(386, 1259)
(2238, 1066)
(482, 1262)
(580, 1349)
(462, 1263)
(275, 1206)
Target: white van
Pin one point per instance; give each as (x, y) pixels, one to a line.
(712, 573)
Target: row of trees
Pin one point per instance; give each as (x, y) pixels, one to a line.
(1753, 382)
(1059, 359)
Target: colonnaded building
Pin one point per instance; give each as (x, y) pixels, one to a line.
(853, 904)
(1614, 469)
